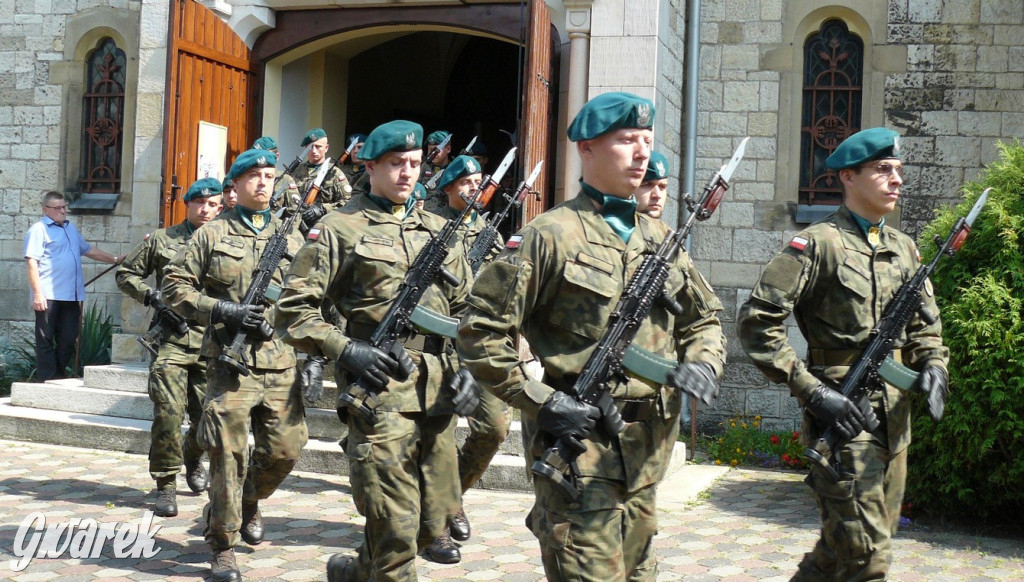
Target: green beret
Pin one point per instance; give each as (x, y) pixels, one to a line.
(359, 137)
(250, 159)
(460, 167)
(478, 149)
(608, 112)
(870, 144)
(419, 191)
(393, 136)
(312, 136)
(657, 167)
(227, 183)
(265, 143)
(203, 188)
(437, 137)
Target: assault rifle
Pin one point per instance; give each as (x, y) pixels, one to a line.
(259, 292)
(290, 172)
(432, 182)
(164, 320)
(874, 364)
(399, 321)
(485, 240)
(604, 368)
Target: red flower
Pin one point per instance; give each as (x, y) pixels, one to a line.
(774, 439)
(796, 437)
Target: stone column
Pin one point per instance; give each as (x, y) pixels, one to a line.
(577, 23)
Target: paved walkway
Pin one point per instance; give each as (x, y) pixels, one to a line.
(750, 525)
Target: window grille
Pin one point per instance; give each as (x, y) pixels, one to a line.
(103, 119)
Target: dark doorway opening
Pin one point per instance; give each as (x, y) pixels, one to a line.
(468, 85)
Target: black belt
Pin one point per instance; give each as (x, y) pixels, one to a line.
(428, 344)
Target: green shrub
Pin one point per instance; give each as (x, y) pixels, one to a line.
(972, 464)
(744, 441)
(94, 341)
(17, 363)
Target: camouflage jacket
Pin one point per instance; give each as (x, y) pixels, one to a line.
(151, 256)
(836, 286)
(473, 228)
(334, 192)
(355, 259)
(557, 282)
(218, 263)
(353, 172)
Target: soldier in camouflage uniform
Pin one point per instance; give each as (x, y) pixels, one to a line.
(835, 278)
(354, 168)
(441, 160)
(177, 377)
(285, 187)
(557, 282)
(489, 425)
(229, 198)
(356, 259)
(653, 191)
(205, 282)
(335, 190)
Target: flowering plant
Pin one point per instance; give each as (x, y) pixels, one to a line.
(744, 441)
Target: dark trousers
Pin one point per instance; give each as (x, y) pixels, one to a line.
(56, 332)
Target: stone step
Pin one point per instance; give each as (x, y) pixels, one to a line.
(70, 395)
(506, 472)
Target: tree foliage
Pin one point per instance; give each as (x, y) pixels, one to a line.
(972, 463)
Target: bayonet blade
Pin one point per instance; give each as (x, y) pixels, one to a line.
(351, 144)
(322, 173)
(533, 175)
(504, 166)
(445, 142)
(728, 169)
(469, 146)
(977, 208)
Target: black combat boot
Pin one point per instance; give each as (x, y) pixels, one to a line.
(166, 504)
(195, 475)
(252, 523)
(443, 550)
(459, 526)
(341, 568)
(223, 566)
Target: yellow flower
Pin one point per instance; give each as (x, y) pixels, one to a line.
(733, 463)
(758, 417)
(718, 461)
(738, 450)
(732, 424)
(744, 425)
(756, 424)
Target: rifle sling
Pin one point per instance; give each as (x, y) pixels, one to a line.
(647, 364)
(430, 344)
(892, 369)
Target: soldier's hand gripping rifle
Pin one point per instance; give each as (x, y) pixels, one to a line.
(397, 324)
(432, 182)
(164, 320)
(874, 363)
(260, 291)
(604, 368)
(485, 240)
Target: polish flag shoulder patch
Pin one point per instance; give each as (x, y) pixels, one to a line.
(314, 234)
(513, 242)
(798, 243)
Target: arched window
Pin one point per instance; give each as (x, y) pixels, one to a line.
(103, 119)
(831, 111)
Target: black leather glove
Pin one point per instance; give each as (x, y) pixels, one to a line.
(154, 298)
(562, 416)
(836, 410)
(366, 363)
(467, 393)
(696, 379)
(935, 384)
(312, 378)
(405, 364)
(237, 316)
(313, 214)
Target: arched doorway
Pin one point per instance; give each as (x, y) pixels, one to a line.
(473, 70)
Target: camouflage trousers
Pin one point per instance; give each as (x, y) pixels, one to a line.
(488, 428)
(401, 469)
(177, 384)
(859, 515)
(606, 536)
(268, 401)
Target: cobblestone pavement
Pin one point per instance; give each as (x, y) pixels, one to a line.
(750, 525)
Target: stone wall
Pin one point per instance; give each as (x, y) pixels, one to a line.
(954, 94)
